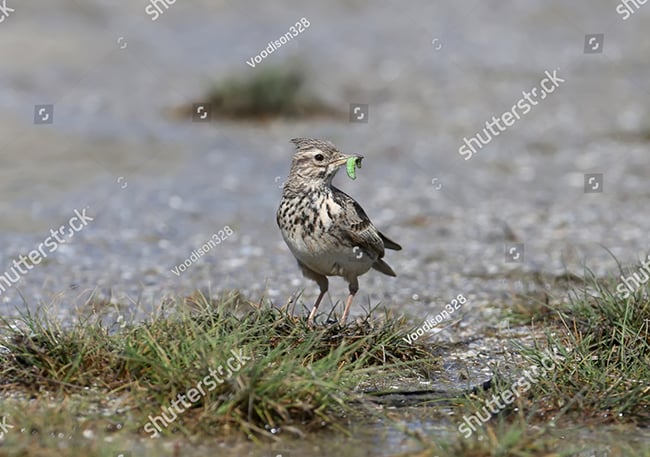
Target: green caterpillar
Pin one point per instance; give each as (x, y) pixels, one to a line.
(351, 164)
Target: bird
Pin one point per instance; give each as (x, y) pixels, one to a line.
(326, 230)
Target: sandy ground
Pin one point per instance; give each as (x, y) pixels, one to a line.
(432, 74)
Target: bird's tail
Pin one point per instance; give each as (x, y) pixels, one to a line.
(382, 266)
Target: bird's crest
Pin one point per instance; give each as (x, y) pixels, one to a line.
(309, 143)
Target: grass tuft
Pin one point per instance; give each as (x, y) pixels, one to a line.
(289, 374)
(603, 346)
(268, 92)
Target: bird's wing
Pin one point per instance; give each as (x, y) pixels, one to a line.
(390, 244)
(354, 226)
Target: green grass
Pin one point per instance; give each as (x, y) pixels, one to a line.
(295, 377)
(604, 342)
(268, 92)
(58, 381)
(600, 378)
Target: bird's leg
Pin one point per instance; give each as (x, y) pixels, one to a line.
(310, 320)
(323, 283)
(354, 287)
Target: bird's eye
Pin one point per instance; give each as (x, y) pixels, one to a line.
(319, 157)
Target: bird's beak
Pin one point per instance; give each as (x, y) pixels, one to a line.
(343, 160)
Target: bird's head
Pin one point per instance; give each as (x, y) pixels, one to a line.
(315, 162)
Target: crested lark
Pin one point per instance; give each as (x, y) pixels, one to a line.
(327, 230)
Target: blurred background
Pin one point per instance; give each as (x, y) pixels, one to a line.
(123, 138)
